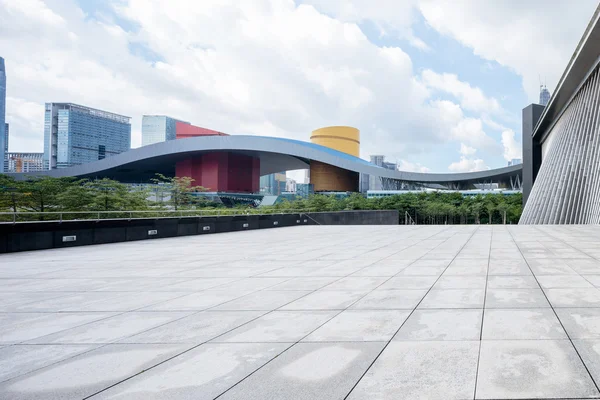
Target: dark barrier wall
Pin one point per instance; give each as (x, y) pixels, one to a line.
(47, 235)
(356, 218)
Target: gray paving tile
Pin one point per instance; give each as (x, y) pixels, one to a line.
(515, 298)
(535, 323)
(518, 369)
(326, 300)
(263, 300)
(86, 374)
(460, 282)
(380, 270)
(563, 281)
(580, 323)
(310, 283)
(421, 370)
(356, 283)
(196, 301)
(196, 328)
(453, 298)
(20, 359)
(414, 270)
(550, 267)
(20, 327)
(512, 282)
(201, 373)
(589, 350)
(110, 329)
(278, 326)
(309, 371)
(360, 326)
(409, 282)
(442, 325)
(579, 297)
(390, 299)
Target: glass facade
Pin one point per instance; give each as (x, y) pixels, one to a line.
(76, 135)
(273, 184)
(3, 132)
(158, 128)
(6, 131)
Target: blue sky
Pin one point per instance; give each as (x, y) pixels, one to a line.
(433, 86)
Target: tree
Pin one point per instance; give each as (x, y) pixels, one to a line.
(182, 190)
(41, 193)
(77, 197)
(464, 211)
(490, 208)
(502, 207)
(110, 195)
(476, 211)
(9, 193)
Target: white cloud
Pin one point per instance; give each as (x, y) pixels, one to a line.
(466, 150)
(471, 98)
(512, 149)
(535, 37)
(266, 67)
(468, 165)
(408, 166)
(391, 17)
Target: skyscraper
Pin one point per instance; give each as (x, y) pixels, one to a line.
(375, 183)
(544, 95)
(160, 128)
(5, 148)
(75, 134)
(3, 138)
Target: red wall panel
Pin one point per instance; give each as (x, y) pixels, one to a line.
(222, 172)
(183, 130)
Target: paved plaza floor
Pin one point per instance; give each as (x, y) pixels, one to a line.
(313, 312)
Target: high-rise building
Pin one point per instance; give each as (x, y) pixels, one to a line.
(515, 161)
(25, 162)
(290, 185)
(160, 128)
(544, 95)
(75, 134)
(273, 184)
(3, 133)
(374, 181)
(305, 189)
(6, 131)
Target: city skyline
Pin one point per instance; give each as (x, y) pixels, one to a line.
(461, 98)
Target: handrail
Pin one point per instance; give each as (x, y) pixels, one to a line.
(26, 216)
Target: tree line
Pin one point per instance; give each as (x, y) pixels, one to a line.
(425, 207)
(45, 194)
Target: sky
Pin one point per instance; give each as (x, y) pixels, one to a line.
(434, 85)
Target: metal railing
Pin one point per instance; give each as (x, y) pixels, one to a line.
(60, 216)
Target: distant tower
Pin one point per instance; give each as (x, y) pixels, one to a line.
(3, 126)
(544, 95)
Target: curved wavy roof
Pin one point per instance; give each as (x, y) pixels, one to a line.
(276, 155)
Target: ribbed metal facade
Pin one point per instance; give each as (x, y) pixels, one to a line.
(567, 187)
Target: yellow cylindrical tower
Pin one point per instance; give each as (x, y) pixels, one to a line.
(329, 178)
(342, 138)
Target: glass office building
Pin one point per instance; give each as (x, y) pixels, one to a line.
(75, 134)
(273, 184)
(3, 133)
(158, 128)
